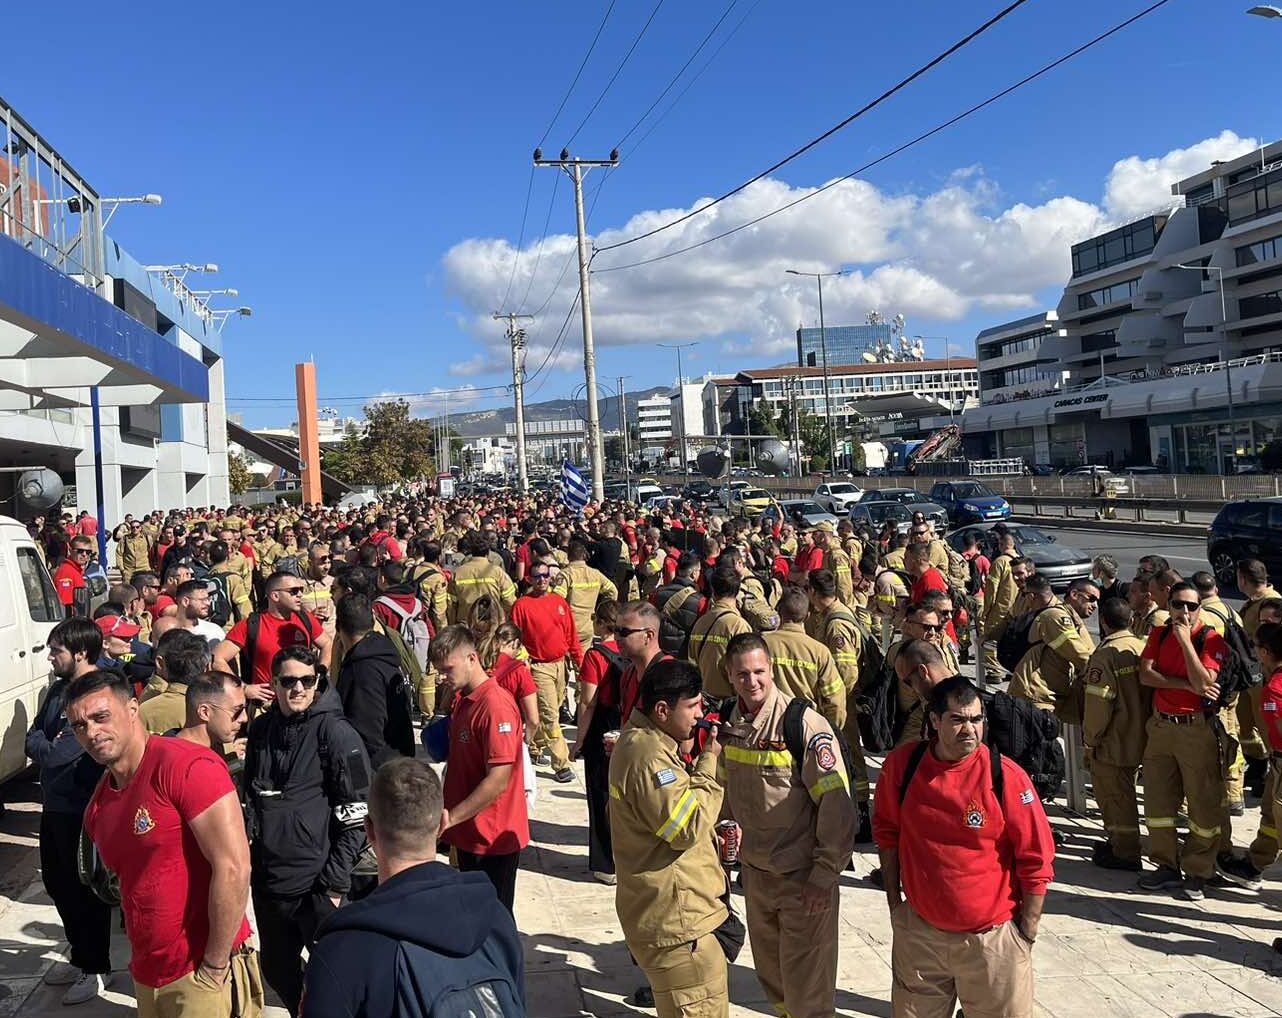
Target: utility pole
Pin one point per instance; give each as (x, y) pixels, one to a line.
(793, 382)
(517, 338)
(623, 423)
(575, 168)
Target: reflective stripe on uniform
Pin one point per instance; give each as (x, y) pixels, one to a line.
(833, 687)
(1160, 823)
(1204, 832)
(1268, 832)
(1067, 634)
(616, 792)
(679, 816)
(1107, 694)
(827, 783)
(758, 757)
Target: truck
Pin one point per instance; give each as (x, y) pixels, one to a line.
(29, 609)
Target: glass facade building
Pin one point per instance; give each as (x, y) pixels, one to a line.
(845, 343)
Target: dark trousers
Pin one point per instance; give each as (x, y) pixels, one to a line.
(596, 774)
(501, 869)
(85, 918)
(285, 927)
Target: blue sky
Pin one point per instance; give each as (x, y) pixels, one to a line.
(361, 180)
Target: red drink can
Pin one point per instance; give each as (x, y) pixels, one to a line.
(728, 838)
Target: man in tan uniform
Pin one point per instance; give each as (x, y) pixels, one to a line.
(477, 576)
(1145, 614)
(752, 601)
(1113, 732)
(1253, 581)
(836, 561)
(133, 550)
(1049, 675)
(803, 666)
(793, 804)
(661, 823)
(583, 587)
(713, 630)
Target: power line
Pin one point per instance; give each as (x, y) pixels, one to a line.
(976, 33)
(619, 70)
(378, 396)
(569, 260)
(538, 257)
(565, 98)
(556, 344)
(667, 88)
(516, 255)
(896, 151)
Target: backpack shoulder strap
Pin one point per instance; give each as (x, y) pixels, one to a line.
(794, 728)
(999, 777)
(914, 761)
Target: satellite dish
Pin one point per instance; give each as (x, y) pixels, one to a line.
(712, 462)
(39, 489)
(772, 457)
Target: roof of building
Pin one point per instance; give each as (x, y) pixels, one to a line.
(1041, 320)
(899, 367)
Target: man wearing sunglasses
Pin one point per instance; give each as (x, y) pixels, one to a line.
(216, 714)
(1050, 673)
(69, 577)
(1188, 750)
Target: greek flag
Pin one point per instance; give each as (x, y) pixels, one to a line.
(574, 489)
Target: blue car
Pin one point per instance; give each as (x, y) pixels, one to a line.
(970, 502)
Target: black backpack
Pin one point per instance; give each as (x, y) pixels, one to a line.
(975, 580)
(877, 706)
(1015, 640)
(794, 737)
(871, 659)
(431, 985)
(220, 607)
(1029, 736)
(1242, 670)
(288, 564)
(994, 759)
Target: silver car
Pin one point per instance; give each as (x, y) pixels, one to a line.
(801, 512)
(1059, 563)
(912, 500)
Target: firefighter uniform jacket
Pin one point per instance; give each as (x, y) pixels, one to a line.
(1049, 675)
(475, 577)
(133, 554)
(583, 586)
(837, 629)
(708, 641)
(1117, 706)
(1157, 617)
(999, 595)
(838, 562)
(803, 666)
(670, 880)
(755, 606)
(798, 821)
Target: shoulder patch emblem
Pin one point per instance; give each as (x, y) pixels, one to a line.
(825, 758)
(143, 823)
(1026, 797)
(1095, 676)
(664, 777)
(505, 727)
(817, 740)
(839, 642)
(974, 816)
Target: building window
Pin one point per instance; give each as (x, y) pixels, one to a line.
(1261, 251)
(1131, 241)
(1258, 196)
(1097, 341)
(1261, 304)
(1108, 294)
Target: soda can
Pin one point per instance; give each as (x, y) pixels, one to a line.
(609, 739)
(728, 837)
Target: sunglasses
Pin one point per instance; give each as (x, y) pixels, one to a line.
(927, 628)
(81, 551)
(622, 631)
(1188, 606)
(290, 681)
(320, 560)
(233, 714)
(292, 591)
(1092, 598)
(539, 576)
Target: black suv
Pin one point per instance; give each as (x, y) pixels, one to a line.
(699, 491)
(1247, 528)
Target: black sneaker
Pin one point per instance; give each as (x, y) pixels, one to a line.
(1193, 889)
(1161, 879)
(876, 879)
(1104, 857)
(1239, 871)
(566, 718)
(643, 996)
(564, 776)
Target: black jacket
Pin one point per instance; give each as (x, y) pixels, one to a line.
(68, 774)
(305, 786)
(427, 926)
(376, 699)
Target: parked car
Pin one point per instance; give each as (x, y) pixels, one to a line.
(837, 496)
(1245, 528)
(1141, 471)
(970, 501)
(875, 514)
(726, 495)
(1090, 470)
(802, 512)
(749, 502)
(1059, 563)
(700, 491)
(914, 500)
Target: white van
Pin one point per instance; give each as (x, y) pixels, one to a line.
(29, 609)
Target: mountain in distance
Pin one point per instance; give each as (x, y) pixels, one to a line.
(494, 422)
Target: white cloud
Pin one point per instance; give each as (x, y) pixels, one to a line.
(481, 364)
(936, 256)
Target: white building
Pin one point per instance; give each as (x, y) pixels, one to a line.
(654, 426)
(491, 455)
(685, 403)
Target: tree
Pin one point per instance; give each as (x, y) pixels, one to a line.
(239, 478)
(1271, 457)
(395, 447)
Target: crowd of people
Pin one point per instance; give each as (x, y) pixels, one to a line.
(256, 705)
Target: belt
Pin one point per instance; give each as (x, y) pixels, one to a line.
(1183, 719)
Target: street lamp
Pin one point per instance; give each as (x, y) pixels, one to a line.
(219, 316)
(823, 351)
(229, 291)
(181, 269)
(1224, 326)
(1265, 11)
(681, 402)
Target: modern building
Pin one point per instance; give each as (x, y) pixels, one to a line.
(845, 344)
(492, 455)
(551, 441)
(654, 426)
(1170, 334)
(685, 403)
(1012, 362)
(111, 373)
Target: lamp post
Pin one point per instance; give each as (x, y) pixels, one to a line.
(1265, 11)
(1224, 327)
(681, 402)
(823, 352)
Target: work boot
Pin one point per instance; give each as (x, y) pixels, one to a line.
(565, 716)
(1161, 879)
(1239, 871)
(1237, 809)
(863, 836)
(1193, 889)
(1103, 856)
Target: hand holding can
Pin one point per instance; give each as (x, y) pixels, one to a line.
(609, 739)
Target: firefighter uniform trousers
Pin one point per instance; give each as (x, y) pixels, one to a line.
(1114, 789)
(990, 972)
(1264, 849)
(1186, 760)
(795, 954)
(549, 682)
(688, 980)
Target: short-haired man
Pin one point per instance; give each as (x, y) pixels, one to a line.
(487, 820)
(215, 703)
(1182, 761)
(166, 821)
(662, 818)
(181, 656)
(679, 602)
(1117, 709)
(352, 971)
(1104, 570)
(1049, 675)
(69, 577)
(1146, 614)
(798, 823)
(68, 777)
(949, 806)
(637, 632)
(718, 625)
(373, 688)
(802, 665)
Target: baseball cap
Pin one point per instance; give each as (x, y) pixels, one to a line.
(825, 527)
(119, 626)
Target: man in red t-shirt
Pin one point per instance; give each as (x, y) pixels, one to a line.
(485, 815)
(925, 579)
(968, 845)
(166, 821)
(262, 634)
(69, 577)
(1182, 760)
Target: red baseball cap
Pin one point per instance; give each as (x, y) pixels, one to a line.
(118, 625)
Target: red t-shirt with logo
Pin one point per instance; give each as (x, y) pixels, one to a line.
(1168, 658)
(143, 835)
(513, 675)
(68, 578)
(274, 634)
(485, 731)
(1271, 709)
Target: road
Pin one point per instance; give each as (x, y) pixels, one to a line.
(1186, 554)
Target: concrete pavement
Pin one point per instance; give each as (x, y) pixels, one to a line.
(1104, 948)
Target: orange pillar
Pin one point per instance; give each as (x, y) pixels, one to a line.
(308, 438)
